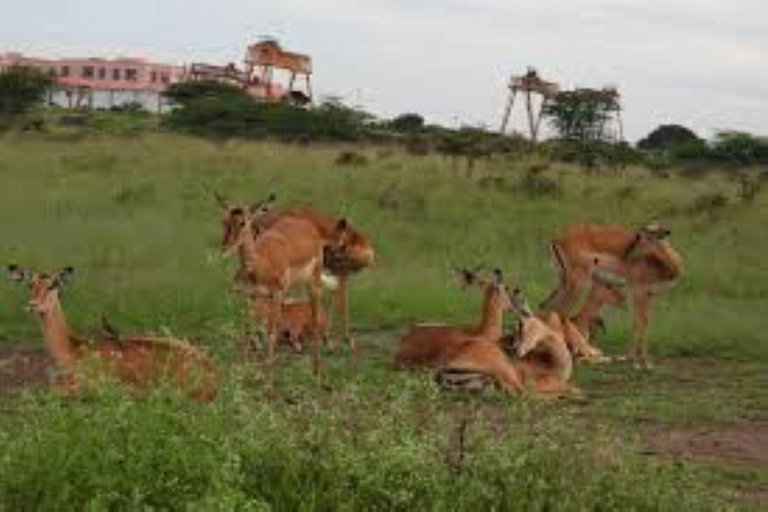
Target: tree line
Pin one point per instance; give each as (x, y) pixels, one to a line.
(578, 119)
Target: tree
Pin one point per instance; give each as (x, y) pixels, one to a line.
(740, 148)
(21, 88)
(582, 114)
(407, 123)
(185, 93)
(670, 136)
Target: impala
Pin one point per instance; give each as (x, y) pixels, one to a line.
(138, 362)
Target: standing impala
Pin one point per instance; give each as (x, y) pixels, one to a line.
(288, 252)
(138, 361)
(343, 257)
(640, 260)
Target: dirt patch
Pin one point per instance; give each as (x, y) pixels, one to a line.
(22, 368)
(741, 445)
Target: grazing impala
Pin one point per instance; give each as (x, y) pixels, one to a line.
(136, 361)
(342, 257)
(641, 260)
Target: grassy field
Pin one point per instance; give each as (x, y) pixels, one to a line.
(135, 216)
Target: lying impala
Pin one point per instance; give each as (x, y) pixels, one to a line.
(469, 349)
(342, 257)
(288, 252)
(468, 356)
(642, 261)
(138, 362)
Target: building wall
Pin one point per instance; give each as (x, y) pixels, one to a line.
(112, 81)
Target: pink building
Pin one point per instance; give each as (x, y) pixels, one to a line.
(102, 83)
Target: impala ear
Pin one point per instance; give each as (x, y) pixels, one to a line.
(263, 206)
(17, 273)
(466, 277)
(64, 275)
(342, 225)
(220, 199)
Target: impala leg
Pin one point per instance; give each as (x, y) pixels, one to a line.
(489, 358)
(641, 310)
(273, 323)
(314, 301)
(342, 309)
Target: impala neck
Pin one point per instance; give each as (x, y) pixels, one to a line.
(57, 338)
(561, 362)
(246, 247)
(492, 323)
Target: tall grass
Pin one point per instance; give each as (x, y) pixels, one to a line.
(136, 217)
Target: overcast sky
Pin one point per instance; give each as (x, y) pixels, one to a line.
(702, 63)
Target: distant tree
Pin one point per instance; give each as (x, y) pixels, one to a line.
(669, 136)
(580, 115)
(407, 123)
(20, 89)
(740, 148)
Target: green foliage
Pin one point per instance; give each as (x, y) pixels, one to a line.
(669, 137)
(740, 148)
(186, 93)
(229, 112)
(20, 89)
(591, 154)
(370, 443)
(581, 114)
(407, 123)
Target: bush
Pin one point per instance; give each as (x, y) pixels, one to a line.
(669, 137)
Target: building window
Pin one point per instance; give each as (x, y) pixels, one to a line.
(164, 78)
(51, 71)
(64, 70)
(130, 75)
(102, 73)
(153, 76)
(87, 71)
(115, 74)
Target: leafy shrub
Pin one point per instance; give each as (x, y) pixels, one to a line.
(351, 158)
(535, 186)
(710, 204)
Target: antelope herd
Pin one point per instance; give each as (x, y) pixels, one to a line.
(280, 249)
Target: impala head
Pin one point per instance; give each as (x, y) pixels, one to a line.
(43, 288)
(350, 250)
(653, 232)
(235, 218)
(651, 244)
(493, 287)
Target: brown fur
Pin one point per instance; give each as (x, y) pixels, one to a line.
(137, 362)
(286, 253)
(296, 321)
(602, 259)
(344, 259)
(343, 256)
(474, 349)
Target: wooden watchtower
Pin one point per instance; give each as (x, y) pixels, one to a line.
(266, 56)
(529, 84)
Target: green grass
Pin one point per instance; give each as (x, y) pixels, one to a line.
(135, 215)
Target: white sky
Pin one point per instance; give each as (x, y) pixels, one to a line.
(702, 63)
